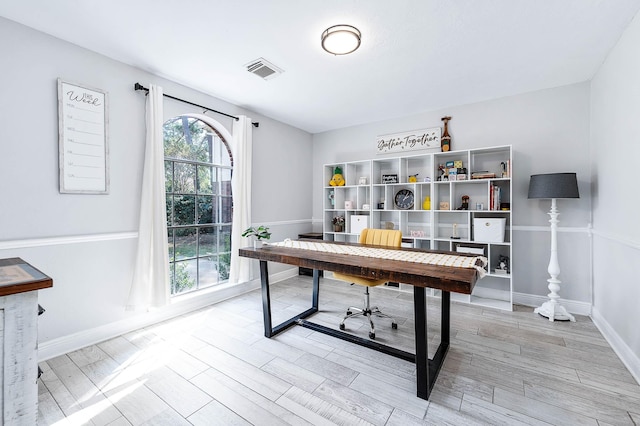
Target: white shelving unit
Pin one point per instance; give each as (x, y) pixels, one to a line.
(433, 228)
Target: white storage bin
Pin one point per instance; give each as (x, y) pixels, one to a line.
(489, 229)
(472, 250)
(359, 222)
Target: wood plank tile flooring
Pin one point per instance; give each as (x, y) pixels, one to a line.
(215, 367)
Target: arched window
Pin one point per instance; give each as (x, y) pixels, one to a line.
(198, 168)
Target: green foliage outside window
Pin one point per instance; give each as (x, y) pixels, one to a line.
(197, 175)
(181, 281)
(187, 138)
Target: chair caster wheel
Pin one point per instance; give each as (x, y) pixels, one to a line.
(348, 312)
(341, 326)
(394, 325)
(372, 336)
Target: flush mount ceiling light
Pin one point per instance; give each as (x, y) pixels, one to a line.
(341, 39)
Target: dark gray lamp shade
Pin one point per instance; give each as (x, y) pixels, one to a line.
(554, 185)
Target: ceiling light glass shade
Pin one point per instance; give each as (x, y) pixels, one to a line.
(341, 39)
(554, 185)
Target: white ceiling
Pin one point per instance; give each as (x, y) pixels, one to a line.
(416, 55)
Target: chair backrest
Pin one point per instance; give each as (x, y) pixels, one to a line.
(381, 237)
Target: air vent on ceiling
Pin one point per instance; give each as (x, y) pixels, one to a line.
(263, 68)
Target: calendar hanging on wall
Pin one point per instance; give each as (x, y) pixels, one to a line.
(83, 139)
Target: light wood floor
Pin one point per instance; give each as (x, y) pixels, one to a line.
(215, 367)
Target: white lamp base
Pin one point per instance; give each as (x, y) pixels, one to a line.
(551, 308)
(555, 312)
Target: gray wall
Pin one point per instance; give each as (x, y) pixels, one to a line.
(615, 152)
(549, 132)
(87, 242)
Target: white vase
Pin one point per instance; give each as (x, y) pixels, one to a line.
(257, 244)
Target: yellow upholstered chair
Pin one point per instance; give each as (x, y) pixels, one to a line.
(378, 237)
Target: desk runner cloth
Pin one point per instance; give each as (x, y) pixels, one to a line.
(438, 259)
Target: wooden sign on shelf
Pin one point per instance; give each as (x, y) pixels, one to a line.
(426, 139)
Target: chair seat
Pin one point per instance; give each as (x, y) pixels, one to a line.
(358, 280)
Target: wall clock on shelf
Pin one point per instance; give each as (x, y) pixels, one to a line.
(404, 199)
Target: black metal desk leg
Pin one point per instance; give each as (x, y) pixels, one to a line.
(316, 288)
(422, 350)
(445, 310)
(269, 329)
(266, 298)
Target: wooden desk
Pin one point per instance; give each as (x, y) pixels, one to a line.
(447, 279)
(310, 236)
(19, 340)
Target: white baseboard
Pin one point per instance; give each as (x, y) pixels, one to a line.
(573, 306)
(628, 358)
(180, 306)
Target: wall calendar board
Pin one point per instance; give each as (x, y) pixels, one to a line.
(82, 139)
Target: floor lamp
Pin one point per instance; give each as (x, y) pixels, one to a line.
(553, 186)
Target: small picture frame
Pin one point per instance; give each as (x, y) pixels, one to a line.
(389, 178)
(362, 180)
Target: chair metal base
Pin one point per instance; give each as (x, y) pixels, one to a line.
(367, 312)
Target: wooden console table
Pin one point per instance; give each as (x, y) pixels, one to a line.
(445, 278)
(19, 340)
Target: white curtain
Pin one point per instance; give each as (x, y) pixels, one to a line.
(240, 270)
(150, 285)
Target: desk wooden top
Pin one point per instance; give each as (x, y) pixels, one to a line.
(17, 276)
(447, 278)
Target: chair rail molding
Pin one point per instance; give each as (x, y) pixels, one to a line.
(69, 239)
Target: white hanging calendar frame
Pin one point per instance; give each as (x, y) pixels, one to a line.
(83, 139)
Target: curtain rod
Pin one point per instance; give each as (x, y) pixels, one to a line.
(139, 86)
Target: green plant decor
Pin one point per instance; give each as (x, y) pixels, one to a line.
(338, 220)
(260, 232)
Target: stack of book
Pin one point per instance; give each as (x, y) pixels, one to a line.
(482, 174)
